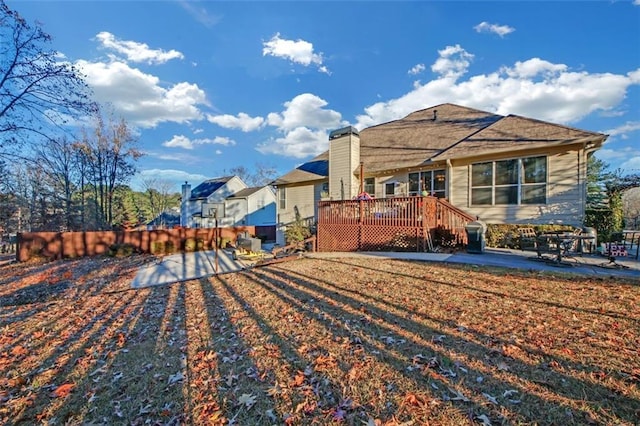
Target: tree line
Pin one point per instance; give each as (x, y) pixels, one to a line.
(56, 174)
(65, 161)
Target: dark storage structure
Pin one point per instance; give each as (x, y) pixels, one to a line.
(475, 237)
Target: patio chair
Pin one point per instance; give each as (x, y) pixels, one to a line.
(528, 239)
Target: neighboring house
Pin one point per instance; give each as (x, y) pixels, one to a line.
(229, 201)
(252, 206)
(502, 169)
(166, 220)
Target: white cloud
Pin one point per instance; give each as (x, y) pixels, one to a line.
(453, 61)
(534, 67)
(636, 2)
(200, 14)
(627, 157)
(632, 165)
(417, 69)
(298, 51)
(624, 130)
(242, 121)
(218, 152)
(304, 124)
(305, 110)
(300, 142)
(221, 140)
(181, 141)
(139, 97)
(534, 88)
(137, 52)
(501, 30)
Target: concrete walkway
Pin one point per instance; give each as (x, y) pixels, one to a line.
(591, 265)
(189, 266)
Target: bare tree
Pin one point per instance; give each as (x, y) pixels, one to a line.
(59, 162)
(259, 175)
(160, 195)
(38, 92)
(110, 151)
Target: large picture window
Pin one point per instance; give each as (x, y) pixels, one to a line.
(432, 181)
(516, 181)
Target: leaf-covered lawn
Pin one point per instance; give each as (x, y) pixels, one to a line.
(351, 341)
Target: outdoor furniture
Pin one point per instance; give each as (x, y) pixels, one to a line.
(632, 238)
(528, 239)
(561, 244)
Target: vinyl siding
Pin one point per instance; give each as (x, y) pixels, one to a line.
(265, 215)
(565, 193)
(344, 159)
(305, 198)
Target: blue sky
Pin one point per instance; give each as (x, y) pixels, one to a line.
(212, 85)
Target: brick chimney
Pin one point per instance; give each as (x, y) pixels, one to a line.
(344, 162)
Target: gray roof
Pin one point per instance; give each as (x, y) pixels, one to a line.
(315, 169)
(244, 193)
(169, 217)
(444, 132)
(208, 187)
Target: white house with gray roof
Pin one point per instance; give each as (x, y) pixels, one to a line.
(229, 201)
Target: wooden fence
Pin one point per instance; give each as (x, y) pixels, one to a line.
(391, 224)
(57, 245)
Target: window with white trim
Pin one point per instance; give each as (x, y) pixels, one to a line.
(282, 193)
(509, 182)
(370, 185)
(389, 189)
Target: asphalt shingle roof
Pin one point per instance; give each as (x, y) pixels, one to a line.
(208, 187)
(444, 132)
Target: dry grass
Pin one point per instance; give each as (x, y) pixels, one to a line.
(348, 341)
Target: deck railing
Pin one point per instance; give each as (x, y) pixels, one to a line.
(352, 225)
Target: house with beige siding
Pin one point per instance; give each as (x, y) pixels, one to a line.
(502, 169)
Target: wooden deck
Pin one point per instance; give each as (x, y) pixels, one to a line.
(390, 224)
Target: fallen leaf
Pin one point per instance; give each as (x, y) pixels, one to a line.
(19, 350)
(509, 393)
(492, 399)
(175, 378)
(298, 380)
(484, 419)
(247, 400)
(458, 396)
(64, 390)
(503, 366)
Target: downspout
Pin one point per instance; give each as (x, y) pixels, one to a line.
(448, 180)
(583, 190)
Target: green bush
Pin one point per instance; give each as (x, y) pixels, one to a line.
(157, 247)
(169, 247)
(508, 235)
(121, 250)
(193, 244)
